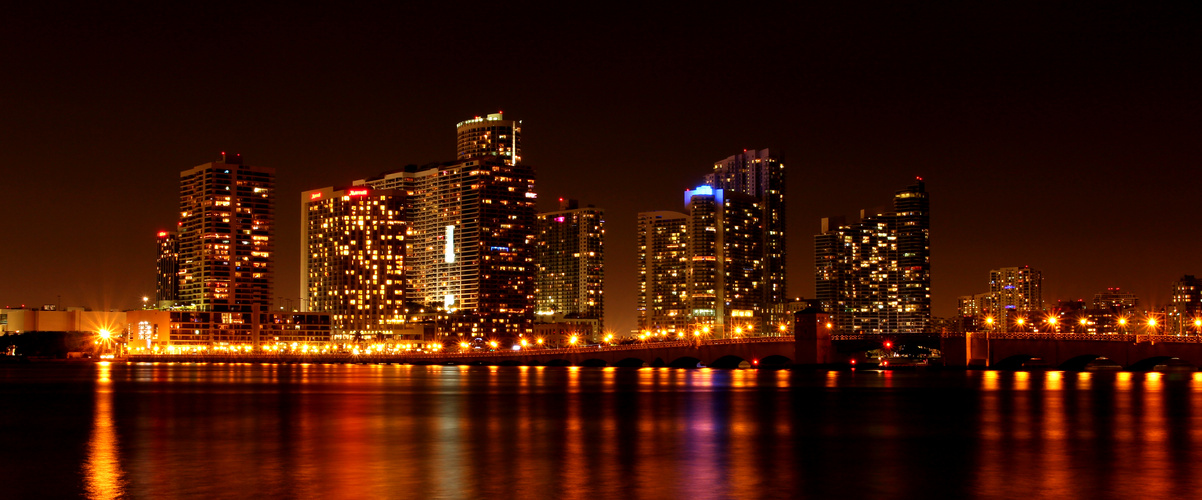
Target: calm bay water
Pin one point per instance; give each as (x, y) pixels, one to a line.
(353, 431)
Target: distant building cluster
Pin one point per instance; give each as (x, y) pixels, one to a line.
(1015, 303)
(417, 254)
(456, 252)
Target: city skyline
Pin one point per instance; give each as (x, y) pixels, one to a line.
(1066, 150)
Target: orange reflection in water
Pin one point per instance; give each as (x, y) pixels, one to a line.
(102, 470)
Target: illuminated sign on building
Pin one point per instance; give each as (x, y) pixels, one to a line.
(162, 234)
(146, 332)
(357, 192)
(315, 196)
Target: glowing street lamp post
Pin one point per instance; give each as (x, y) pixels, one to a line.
(989, 328)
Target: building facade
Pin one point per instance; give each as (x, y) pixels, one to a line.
(353, 260)
(1183, 315)
(1015, 292)
(490, 136)
(1114, 299)
(873, 274)
(471, 244)
(162, 331)
(570, 257)
(226, 236)
(663, 253)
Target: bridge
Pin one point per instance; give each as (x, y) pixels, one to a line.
(974, 349)
(754, 352)
(1071, 351)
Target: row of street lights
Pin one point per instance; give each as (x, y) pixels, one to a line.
(1150, 323)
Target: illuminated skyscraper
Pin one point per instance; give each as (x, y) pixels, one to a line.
(570, 257)
(725, 261)
(761, 174)
(492, 136)
(470, 250)
(166, 290)
(352, 260)
(227, 228)
(873, 275)
(663, 270)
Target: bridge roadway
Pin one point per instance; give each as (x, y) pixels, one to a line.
(718, 353)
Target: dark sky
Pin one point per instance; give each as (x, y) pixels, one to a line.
(1061, 137)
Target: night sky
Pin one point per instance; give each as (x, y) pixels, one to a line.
(1065, 138)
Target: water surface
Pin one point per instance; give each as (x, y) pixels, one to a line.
(110, 430)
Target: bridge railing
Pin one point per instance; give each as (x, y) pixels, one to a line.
(449, 354)
(1104, 337)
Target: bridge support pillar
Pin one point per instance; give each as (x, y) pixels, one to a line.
(812, 337)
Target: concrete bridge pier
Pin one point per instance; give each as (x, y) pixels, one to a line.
(812, 335)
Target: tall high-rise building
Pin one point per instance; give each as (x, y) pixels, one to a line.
(353, 259)
(166, 290)
(761, 174)
(663, 246)
(725, 261)
(491, 135)
(1015, 292)
(226, 236)
(570, 260)
(470, 248)
(873, 275)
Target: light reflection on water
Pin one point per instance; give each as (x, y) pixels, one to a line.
(341, 431)
(102, 469)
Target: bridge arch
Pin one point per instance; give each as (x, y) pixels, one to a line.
(1089, 363)
(729, 361)
(595, 363)
(658, 363)
(774, 362)
(631, 363)
(685, 362)
(1020, 362)
(559, 362)
(1161, 364)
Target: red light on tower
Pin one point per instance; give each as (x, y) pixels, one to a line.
(888, 345)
